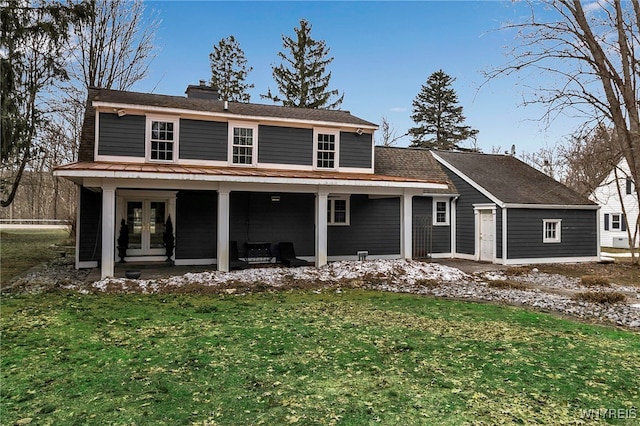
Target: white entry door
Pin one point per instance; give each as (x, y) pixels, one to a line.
(146, 220)
(487, 236)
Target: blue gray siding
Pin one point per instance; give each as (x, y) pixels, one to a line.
(121, 135)
(255, 218)
(285, 145)
(374, 226)
(196, 224)
(355, 151)
(203, 140)
(440, 236)
(579, 233)
(465, 216)
(90, 226)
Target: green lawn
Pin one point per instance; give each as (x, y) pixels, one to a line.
(22, 249)
(352, 358)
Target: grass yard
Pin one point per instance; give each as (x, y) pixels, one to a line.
(22, 249)
(350, 358)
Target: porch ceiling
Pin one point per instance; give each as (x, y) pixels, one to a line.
(81, 170)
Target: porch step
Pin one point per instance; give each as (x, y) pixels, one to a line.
(143, 265)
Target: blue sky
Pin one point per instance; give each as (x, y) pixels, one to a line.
(383, 52)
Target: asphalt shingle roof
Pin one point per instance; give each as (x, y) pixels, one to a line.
(235, 108)
(415, 163)
(511, 180)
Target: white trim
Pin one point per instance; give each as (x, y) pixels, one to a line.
(477, 209)
(96, 136)
(406, 225)
(321, 204)
(558, 231)
(155, 258)
(122, 159)
(87, 264)
(504, 233)
(108, 231)
(331, 204)
(336, 147)
(441, 255)
(150, 118)
(227, 116)
(254, 142)
(223, 229)
(467, 179)
(551, 260)
(206, 163)
(434, 203)
(107, 174)
(550, 206)
(453, 230)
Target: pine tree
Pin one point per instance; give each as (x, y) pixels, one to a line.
(229, 70)
(302, 78)
(436, 113)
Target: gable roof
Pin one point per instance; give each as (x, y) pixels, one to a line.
(510, 180)
(414, 163)
(234, 108)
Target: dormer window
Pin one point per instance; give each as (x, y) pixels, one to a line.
(162, 139)
(326, 149)
(243, 141)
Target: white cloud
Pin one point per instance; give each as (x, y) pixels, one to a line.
(398, 109)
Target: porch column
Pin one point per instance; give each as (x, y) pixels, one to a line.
(223, 229)
(322, 198)
(406, 226)
(108, 230)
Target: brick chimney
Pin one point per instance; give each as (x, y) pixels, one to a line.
(202, 91)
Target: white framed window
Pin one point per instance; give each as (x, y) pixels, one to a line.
(162, 139)
(551, 230)
(616, 221)
(440, 212)
(243, 144)
(338, 211)
(325, 150)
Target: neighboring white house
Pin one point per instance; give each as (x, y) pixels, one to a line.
(613, 227)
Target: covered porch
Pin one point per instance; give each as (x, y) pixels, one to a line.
(326, 215)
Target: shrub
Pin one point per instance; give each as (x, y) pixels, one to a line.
(507, 285)
(604, 297)
(594, 281)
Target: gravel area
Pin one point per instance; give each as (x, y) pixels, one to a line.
(545, 292)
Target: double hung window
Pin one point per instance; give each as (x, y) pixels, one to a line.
(243, 141)
(326, 149)
(338, 211)
(440, 212)
(162, 139)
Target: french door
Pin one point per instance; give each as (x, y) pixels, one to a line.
(146, 221)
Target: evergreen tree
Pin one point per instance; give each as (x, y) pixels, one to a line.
(436, 113)
(229, 70)
(302, 78)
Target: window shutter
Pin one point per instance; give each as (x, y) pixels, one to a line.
(629, 187)
(606, 221)
(623, 222)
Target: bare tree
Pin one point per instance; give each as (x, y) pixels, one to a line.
(115, 48)
(591, 49)
(388, 134)
(590, 155)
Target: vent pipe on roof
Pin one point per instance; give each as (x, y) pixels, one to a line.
(226, 105)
